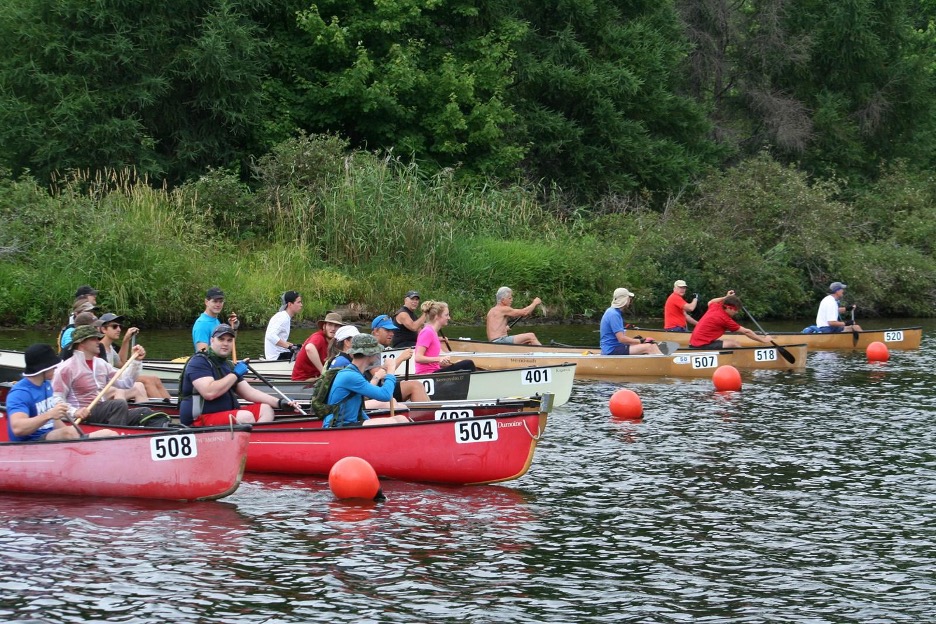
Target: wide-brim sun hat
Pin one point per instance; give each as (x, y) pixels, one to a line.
(39, 358)
(84, 332)
(364, 344)
(332, 317)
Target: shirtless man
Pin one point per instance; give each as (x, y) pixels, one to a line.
(497, 327)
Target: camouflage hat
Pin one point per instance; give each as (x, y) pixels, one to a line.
(365, 344)
(83, 332)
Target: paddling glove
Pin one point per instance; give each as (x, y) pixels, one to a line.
(240, 369)
(283, 403)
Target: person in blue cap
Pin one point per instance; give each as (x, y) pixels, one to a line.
(383, 329)
(828, 319)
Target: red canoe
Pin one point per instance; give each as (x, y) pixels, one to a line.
(459, 452)
(185, 465)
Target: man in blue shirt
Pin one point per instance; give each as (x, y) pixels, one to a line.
(209, 319)
(614, 340)
(350, 387)
(33, 413)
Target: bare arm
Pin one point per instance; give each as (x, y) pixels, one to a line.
(755, 336)
(407, 321)
(313, 355)
(210, 388)
(23, 425)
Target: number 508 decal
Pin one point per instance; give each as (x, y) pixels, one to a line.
(475, 430)
(173, 447)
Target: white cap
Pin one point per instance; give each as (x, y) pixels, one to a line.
(346, 331)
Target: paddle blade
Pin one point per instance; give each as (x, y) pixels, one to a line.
(668, 346)
(784, 353)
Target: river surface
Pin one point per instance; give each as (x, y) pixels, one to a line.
(805, 497)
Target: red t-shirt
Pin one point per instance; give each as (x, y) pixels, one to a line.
(302, 367)
(712, 326)
(674, 315)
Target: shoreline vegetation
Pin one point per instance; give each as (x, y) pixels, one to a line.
(351, 228)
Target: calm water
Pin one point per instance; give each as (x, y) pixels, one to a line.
(806, 497)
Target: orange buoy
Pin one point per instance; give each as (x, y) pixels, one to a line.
(625, 404)
(726, 377)
(877, 352)
(353, 477)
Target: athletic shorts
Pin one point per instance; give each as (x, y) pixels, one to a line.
(828, 329)
(715, 344)
(621, 349)
(226, 417)
(504, 340)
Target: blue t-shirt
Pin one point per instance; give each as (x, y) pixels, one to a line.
(340, 361)
(196, 368)
(201, 330)
(612, 321)
(349, 382)
(27, 398)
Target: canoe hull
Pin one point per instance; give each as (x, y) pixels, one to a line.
(592, 365)
(894, 338)
(174, 465)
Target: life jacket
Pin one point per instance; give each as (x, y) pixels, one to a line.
(198, 402)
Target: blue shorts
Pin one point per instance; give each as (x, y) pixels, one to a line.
(621, 349)
(828, 329)
(504, 340)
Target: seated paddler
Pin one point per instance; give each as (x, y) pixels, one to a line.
(351, 387)
(211, 386)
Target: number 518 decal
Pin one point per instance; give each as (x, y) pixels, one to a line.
(475, 430)
(173, 447)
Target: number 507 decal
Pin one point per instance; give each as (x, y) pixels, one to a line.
(704, 361)
(475, 430)
(173, 447)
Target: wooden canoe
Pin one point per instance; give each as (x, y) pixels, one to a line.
(184, 465)
(464, 451)
(894, 338)
(592, 365)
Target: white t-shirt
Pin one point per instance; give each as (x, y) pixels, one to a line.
(277, 329)
(828, 311)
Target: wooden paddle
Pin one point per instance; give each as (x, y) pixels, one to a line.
(789, 357)
(275, 389)
(854, 332)
(107, 386)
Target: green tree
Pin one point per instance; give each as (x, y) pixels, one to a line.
(600, 97)
(167, 87)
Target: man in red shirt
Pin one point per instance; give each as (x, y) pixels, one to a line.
(720, 319)
(310, 360)
(676, 312)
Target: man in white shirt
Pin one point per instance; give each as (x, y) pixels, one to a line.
(276, 345)
(828, 319)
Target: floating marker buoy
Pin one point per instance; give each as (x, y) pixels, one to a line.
(625, 404)
(353, 477)
(726, 377)
(877, 352)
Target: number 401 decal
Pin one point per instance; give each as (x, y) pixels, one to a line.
(475, 430)
(173, 447)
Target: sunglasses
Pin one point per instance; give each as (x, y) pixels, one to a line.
(113, 326)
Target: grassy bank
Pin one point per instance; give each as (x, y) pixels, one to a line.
(356, 228)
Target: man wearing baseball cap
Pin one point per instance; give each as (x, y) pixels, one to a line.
(211, 386)
(383, 329)
(614, 338)
(677, 314)
(276, 345)
(828, 319)
(407, 323)
(210, 318)
(718, 319)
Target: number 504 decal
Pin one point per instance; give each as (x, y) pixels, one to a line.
(173, 447)
(475, 430)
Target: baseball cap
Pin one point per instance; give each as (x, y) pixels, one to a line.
(289, 296)
(214, 293)
(679, 284)
(346, 331)
(413, 294)
(836, 286)
(383, 322)
(85, 290)
(108, 317)
(223, 329)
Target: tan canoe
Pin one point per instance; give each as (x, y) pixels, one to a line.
(896, 338)
(592, 365)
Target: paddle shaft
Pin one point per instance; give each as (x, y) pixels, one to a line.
(108, 385)
(854, 331)
(275, 389)
(789, 357)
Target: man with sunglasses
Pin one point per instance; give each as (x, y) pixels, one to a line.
(110, 325)
(210, 318)
(718, 319)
